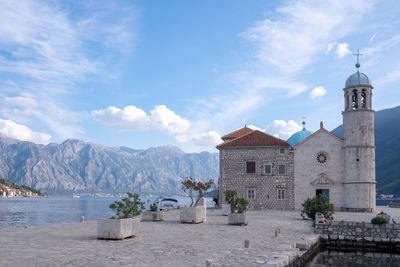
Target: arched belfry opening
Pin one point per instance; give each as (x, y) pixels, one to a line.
(354, 99)
(363, 99)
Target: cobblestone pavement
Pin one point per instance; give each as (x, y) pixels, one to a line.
(167, 243)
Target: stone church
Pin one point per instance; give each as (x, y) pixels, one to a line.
(272, 173)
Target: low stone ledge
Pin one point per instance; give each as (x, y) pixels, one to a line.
(356, 235)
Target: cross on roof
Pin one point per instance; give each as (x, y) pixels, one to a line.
(358, 58)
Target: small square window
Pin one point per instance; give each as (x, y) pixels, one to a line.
(251, 194)
(267, 169)
(282, 151)
(282, 169)
(250, 167)
(281, 194)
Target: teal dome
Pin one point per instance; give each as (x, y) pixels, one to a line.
(299, 137)
(357, 78)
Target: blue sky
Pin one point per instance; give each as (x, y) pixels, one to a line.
(151, 73)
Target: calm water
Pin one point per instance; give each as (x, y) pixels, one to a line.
(356, 259)
(18, 212)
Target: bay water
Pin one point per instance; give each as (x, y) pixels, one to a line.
(25, 211)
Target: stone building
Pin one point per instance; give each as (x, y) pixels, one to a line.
(272, 173)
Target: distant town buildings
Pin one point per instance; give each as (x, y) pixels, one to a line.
(6, 191)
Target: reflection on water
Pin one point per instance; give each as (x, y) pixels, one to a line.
(356, 259)
(19, 212)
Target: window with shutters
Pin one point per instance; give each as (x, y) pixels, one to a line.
(250, 167)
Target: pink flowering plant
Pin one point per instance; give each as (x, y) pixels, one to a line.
(197, 189)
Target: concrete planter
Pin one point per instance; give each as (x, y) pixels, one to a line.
(117, 229)
(320, 219)
(237, 218)
(226, 209)
(152, 216)
(193, 214)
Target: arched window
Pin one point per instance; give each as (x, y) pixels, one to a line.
(346, 101)
(354, 99)
(363, 99)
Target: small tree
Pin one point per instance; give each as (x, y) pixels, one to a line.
(194, 188)
(154, 205)
(128, 207)
(229, 195)
(318, 204)
(240, 205)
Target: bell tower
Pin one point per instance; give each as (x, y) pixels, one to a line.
(359, 144)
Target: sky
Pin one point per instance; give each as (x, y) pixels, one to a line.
(145, 73)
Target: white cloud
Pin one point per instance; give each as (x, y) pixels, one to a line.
(21, 101)
(372, 38)
(21, 132)
(331, 45)
(342, 49)
(131, 118)
(253, 127)
(207, 139)
(282, 129)
(318, 91)
(45, 51)
(303, 29)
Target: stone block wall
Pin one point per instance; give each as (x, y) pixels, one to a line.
(342, 235)
(233, 176)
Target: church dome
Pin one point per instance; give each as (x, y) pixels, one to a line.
(357, 78)
(298, 137)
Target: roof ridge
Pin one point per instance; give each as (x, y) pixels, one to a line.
(273, 141)
(320, 129)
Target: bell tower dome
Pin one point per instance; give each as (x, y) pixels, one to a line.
(359, 144)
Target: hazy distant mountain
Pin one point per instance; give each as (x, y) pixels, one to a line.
(387, 142)
(80, 166)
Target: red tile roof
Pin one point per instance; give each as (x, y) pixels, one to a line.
(238, 133)
(254, 138)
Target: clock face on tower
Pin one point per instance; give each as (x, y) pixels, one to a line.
(322, 157)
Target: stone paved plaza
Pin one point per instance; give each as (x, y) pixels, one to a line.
(169, 243)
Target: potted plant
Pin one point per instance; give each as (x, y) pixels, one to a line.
(153, 214)
(318, 204)
(383, 215)
(229, 198)
(238, 216)
(196, 212)
(126, 224)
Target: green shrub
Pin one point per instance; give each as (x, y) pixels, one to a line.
(318, 204)
(379, 220)
(128, 207)
(241, 205)
(154, 205)
(229, 194)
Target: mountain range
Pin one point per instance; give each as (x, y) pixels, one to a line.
(77, 166)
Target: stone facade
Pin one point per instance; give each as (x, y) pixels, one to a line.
(311, 175)
(233, 176)
(319, 163)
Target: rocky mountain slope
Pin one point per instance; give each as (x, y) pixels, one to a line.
(77, 166)
(387, 142)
